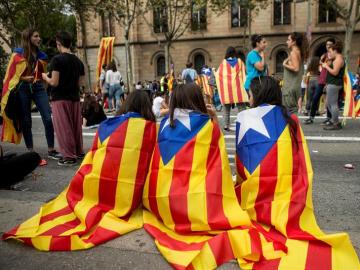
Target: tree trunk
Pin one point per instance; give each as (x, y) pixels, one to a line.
(129, 70)
(349, 30)
(249, 31)
(84, 45)
(167, 56)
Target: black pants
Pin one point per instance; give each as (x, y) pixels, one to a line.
(14, 169)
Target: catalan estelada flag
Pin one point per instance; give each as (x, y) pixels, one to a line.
(192, 209)
(14, 71)
(206, 88)
(350, 102)
(105, 54)
(275, 173)
(102, 200)
(230, 79)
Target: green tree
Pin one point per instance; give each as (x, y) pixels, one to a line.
(4, 58)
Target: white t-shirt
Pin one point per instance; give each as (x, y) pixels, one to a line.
(112, 77)
(157, 106)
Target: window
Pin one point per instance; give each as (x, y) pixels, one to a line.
(160, 66)
(199, 62)
(239, 14)
(282, 12)
(280, 58)
(198, 16)
(327, 13)
(160, 19)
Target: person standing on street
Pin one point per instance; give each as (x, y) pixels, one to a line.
(67, 76)
(294, 71)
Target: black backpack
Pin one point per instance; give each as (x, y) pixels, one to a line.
(13, 108)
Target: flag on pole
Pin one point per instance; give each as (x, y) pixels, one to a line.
(275, 173)
(105, 54)
(230, 79)
(192, 210)
(102, 200)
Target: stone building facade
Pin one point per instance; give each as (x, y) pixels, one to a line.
(208, 46)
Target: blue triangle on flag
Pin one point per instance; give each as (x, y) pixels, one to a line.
(107, 127)
(254, 147)
(171, 140)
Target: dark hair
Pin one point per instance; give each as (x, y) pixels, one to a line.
(230, 52)
(90, 102)
(112, 66)
(302, 43)
(64, 38)
(186, 96)
(266, 90)
(138, 101)
(256, 39)
(331, 39)
(28, 46)
(104, 66)
(337, 47)
(313, 66)
(188, 65)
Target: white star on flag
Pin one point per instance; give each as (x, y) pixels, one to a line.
(181, 115)
(252, 119)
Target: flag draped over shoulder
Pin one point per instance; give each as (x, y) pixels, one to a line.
(350, 106)
(207, 90)
(105, 54)
(230, 79)
(276, 190)
(192, 210)
(102, 200)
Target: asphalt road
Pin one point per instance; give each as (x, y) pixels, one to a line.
(336, 195)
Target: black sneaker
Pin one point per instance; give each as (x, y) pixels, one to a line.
(53, 154)
(333, 127)
(327, 122)
(67, 162)
(308, 121)
(80, 156)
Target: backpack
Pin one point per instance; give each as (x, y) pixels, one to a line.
(188, 78)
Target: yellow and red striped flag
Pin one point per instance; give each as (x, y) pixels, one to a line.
(103, 198)
(230, 79)
(350, 103)
(193, 212)
(207, 90)
(105, 54)
(275, 172)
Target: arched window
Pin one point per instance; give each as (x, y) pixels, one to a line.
(280, 57)
(320, 50)
(160, 66)
(199, 62)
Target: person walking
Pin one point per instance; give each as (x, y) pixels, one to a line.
(334, 83)
(189, 75)
(255, 60)
(294, 71)
(67, 76)
(28, 62)
(113, 78)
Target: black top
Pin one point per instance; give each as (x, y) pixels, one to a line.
(70, 69)
(93, 118)
(336, 80)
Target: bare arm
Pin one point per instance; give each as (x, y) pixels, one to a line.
(54, 80)
(260, 66)
(293, 62)
(337, 65)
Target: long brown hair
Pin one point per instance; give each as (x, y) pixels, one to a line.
(28, 46)
(186, 96)
(138, 101)
(90, 102)
(302, 43)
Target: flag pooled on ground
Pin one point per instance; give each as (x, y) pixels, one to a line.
(275, 172)
(11, 130)
(105, 54)
(351, 102)
(102, 200)
(230, 79)
(192, 209)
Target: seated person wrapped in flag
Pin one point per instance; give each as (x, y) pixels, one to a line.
(103, 197)
(192, 209)
(275, 175)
